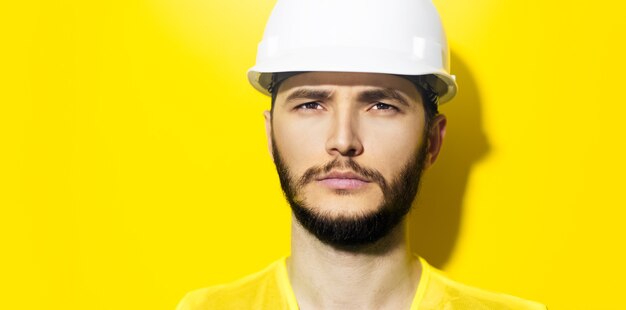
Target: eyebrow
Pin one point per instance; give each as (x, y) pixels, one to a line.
(364, 96)
(382, 93)
(308, 93)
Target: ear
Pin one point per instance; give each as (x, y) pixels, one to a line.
(268, 131)
(435, 139)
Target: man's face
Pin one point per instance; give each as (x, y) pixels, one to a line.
(349, 149)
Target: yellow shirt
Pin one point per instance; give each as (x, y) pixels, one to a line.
(270, 289)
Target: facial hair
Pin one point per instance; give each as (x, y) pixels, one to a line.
(355, 230)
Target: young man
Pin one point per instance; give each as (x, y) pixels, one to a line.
(355, 88)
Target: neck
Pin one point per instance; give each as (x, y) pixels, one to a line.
(383, 275)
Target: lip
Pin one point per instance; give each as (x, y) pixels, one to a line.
(343, 180)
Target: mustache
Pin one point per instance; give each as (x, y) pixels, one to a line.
(317, 171)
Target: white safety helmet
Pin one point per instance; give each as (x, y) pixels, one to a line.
(401, 37)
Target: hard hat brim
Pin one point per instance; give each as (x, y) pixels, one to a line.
(351, 60)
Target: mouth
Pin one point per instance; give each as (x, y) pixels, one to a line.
(343, 180)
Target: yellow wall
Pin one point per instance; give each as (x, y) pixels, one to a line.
(133, 165)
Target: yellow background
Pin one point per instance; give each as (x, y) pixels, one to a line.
(133, 164)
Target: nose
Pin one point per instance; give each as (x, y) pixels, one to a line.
(344, 138)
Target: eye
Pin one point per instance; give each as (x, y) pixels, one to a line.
(310, 106)
(383, 106)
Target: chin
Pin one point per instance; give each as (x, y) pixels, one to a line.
(344, 207)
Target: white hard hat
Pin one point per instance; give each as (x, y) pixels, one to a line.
(402, 37)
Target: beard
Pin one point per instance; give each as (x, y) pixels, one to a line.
(359, 229)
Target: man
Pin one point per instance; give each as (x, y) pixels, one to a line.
(355, 88)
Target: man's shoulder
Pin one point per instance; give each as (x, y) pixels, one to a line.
(445, 293)
(261, 289)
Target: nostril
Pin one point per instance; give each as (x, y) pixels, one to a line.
(351, 152)
(346, 151)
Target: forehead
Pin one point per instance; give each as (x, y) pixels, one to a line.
(348, 80)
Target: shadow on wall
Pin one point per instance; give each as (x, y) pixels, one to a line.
(436, 216)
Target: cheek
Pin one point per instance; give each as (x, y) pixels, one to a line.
(390, 145)
(300, 143)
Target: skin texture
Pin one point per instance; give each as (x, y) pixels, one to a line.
(331, 120)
